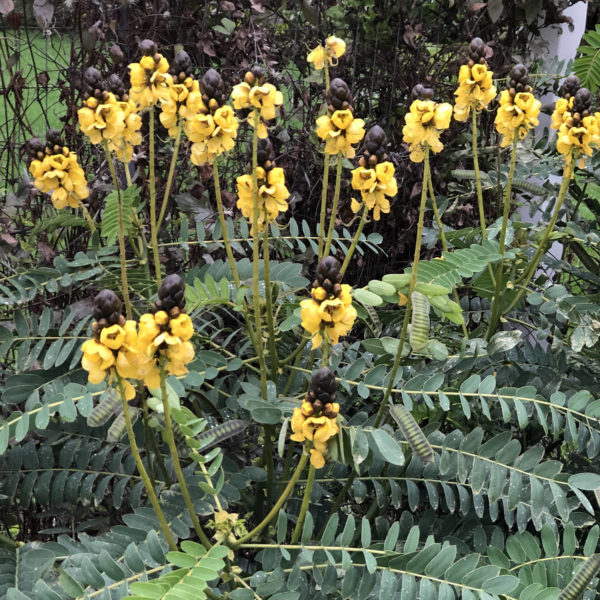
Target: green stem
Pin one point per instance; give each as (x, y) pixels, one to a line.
(413, 281)
(273, 359)
(275, 510)
(326, 65)
(363, 220)
(440, 225)
(223, 223)
(336, 199)
(124, 282)
(165, 200)
(305, 502)
(323, 205)
(88, 218)
(255, 260)
(152, 184)
(296, 356)
(142, 470)
(175, 458)
(537, 257)
(477, 174)
(495, 316)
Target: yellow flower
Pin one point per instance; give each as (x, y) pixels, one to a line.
(318, 56)
(316, 429)
(265, 98)
(102, 120)
(374, 185)
(340, 131)
(562, 112)
(61, 176)
(272, 196)
(334, 48)
(112, 337)
(212, 135)
(150, 81)
(424, 123)
(182, 326)
(96, 360)
(516, 115)
(580, 139)
(476, 90)
(332, 317)
(131, 135)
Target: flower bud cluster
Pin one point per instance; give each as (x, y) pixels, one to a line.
(519, 110)
(56, 171)
(315, 421)
(272, 191)
(254, 94)
(328, 313)
(338, 128)
(475, 83)
(374, 177)
(425, 121)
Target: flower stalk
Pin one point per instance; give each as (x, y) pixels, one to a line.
(152, 184)
(323, 205)
(495, 316)
(361, 224)
(165, 200)
(175, 458)
(334, 207)
(305, 503)
(124, 282)
(413, 281)
(142, 470)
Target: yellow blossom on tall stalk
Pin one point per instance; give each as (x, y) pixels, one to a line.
(180, 87)
(519, 109)
(579, 132)
(164, 336)
(328, 313)
(56, 171)
(101, 117)
(374, 177)
(210, 123)
(316, 420)
(272, 191)
(113, 338)
(476, 88)
(254, 93)
(131, 135)
(334, 48)
(424, 123)
(338, 128)
(150, 80)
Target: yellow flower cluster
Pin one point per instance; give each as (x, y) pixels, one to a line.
(115, 121)
(212, 133)
(475, 90)
(174, 104)
(334, 48)
(517, 114)
(163, 337)
(113, 348)
(102, 119)
(272, 196)
(61, 176)
(150, 80)
(340, 131)
(318, 430)
(374, 185)
(254, 94)
(562, 112)
(424, 123)
(328, 315)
